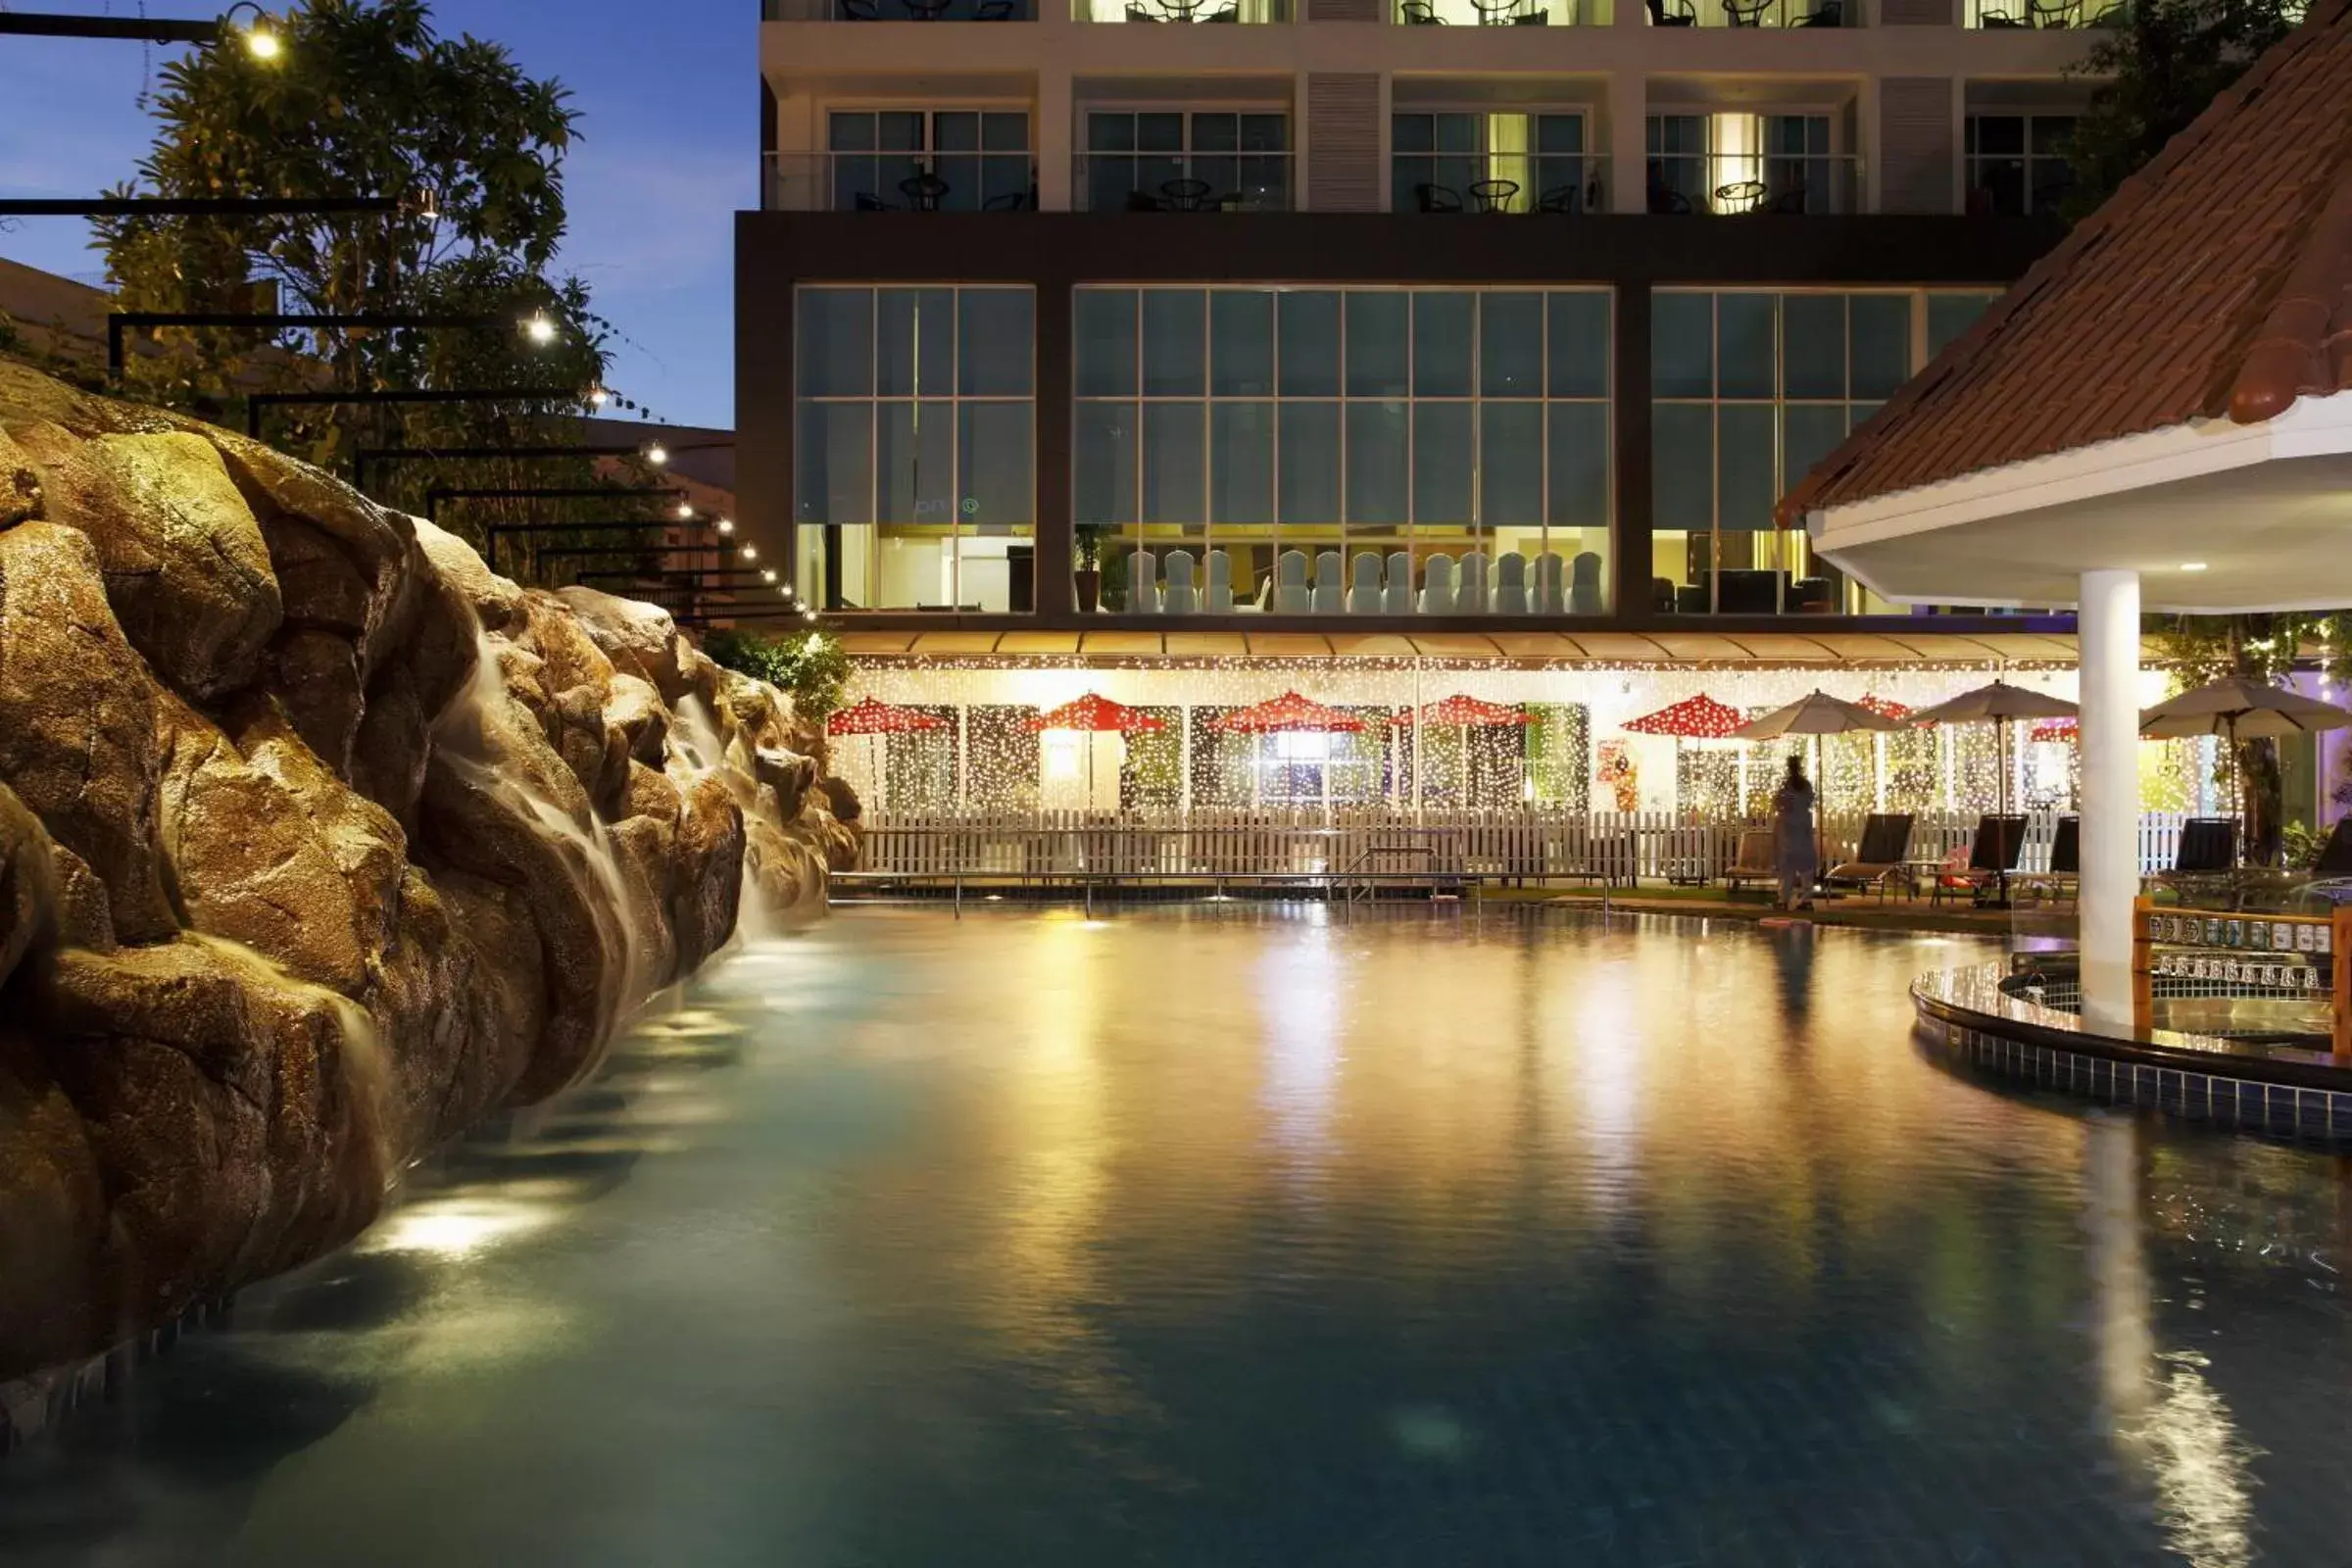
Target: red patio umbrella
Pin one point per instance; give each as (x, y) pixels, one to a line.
(869, 716)
(1700, 718)
(872, 718)
(2053, 729)
(1289, 712)
(1099, 715)
(1884, 706)
(1460, 710)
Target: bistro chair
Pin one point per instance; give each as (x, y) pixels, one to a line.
(1828, 14)
(1584, 585)
(1789, 203)
(1009, 201)
(924, 191)
(1664, 198)
(1561, 199)
(1740, 197)
(867, 202)
(1438, 198)
(1680, 15)
(1421, 14)
(1398, 599)
(1745, 13)
(859, 11)
(1185, 195)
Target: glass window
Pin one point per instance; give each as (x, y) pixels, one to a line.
(1746, 365)
(914, 331)
(1683, 466)
(1577, 465)
(1442, 464)
(1510, 466)
(1310, 434)
(1379, 453)
(993, 446)
(1442, 343)
(1682, 330)
(1378, 343)
(1881, 344)
(1511, 345)
(1745, 466)
(1174, 459)
(1104, 468)
(1105, 325)
(1809, 432)
(1951, 313)
(915, 462)
(1175, 346)
(1577, 344)
(995, 345)
(833, 463)
(837, 342)
(1241, 463)
(1310, 343)
(1813, 345)
(1242, 343)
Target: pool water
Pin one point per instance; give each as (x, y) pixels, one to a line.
(1237, 1234)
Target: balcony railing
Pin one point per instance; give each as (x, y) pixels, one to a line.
(1501, 13)
(901, 181)
(1739, 184)
(1755, 13)
(1184, 182)
(1182, 10)
(898, 9)
(1561, 183)
(1996, 15)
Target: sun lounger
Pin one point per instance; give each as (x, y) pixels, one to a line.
(1880, 861)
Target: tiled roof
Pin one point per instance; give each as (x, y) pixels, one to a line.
(2217, 281)
(1763, 649)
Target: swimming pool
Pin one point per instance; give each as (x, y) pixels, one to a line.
(1232, 1234)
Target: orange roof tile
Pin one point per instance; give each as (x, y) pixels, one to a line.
(2217, 281)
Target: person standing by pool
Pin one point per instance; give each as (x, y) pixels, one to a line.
(1794, 850)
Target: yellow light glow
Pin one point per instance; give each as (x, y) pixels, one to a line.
(750, 552)
(685, 510)
(539, 329)
(656, 454)
(262, 44)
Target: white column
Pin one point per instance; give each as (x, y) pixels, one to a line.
(2108, 628)
(1056, 132)
(1628, 129)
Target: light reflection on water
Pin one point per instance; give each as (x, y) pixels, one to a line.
(1233, 1235)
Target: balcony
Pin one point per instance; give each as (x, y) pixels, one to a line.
(2013, 16)
(1501, 13)
(1749, 185)
(1183, 182)
(898, 9)
(901, 181)
(1762, 13)
(1563, 185)
(1183, 12)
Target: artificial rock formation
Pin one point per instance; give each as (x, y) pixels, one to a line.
(318, 842)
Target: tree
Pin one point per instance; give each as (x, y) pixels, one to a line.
(2159, 67)
(367, 99)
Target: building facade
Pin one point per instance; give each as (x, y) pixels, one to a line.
(1398, 314)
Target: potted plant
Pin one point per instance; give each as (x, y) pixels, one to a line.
(1089, 567)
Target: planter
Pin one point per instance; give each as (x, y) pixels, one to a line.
(1090, 590)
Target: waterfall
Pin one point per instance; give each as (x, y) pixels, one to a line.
(466, 739)
(694, 743)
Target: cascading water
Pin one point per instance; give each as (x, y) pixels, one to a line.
(465, 741)
(698, 751)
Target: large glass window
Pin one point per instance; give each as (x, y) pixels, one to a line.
(1380, 423)
(1751, 390)
(1187, 161)
(2019, 164)
(914, 443)
(945, 160)
(1470, 162)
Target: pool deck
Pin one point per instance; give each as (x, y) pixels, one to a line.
(1865, 912)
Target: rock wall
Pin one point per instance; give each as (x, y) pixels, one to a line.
(318, 842)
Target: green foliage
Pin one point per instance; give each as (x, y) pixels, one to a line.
(2157, 70)
(367, 99)
(2301, 844)
(810, 666)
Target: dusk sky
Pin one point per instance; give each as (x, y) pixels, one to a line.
(669, 149)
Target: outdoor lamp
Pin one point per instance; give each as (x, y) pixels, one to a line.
(767, 574)
(539, 329)
(750, 552)
(726, 526)
(596, 399)
(656, 454)
(685, 510)
(260, 34)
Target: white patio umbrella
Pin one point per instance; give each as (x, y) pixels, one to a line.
(1996, 705)
(2238, 707)
(1816, 715)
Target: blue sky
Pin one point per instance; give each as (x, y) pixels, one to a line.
(669, 96)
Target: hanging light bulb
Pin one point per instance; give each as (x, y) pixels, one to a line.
(726, 527)
(767, 574)
(685, 510)
(750, 552)
(598, 397)
(539, 329)
(656, 454)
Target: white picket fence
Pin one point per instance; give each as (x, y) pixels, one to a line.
(1534, 844)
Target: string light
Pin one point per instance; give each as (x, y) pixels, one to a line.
(726, 527)
(597, 399)
(767, 574)
(685, 510)
(750, 552)
(539, 329)
(659, 455)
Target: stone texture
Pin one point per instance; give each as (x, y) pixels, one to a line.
(318, 842)
(185, 567)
